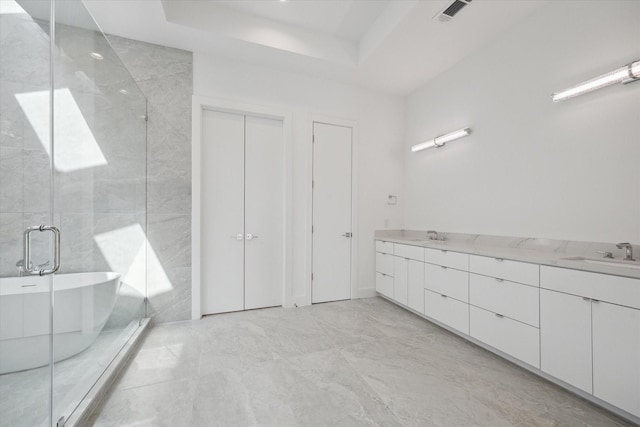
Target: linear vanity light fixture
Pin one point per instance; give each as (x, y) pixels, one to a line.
(439, 141)
(627, 74)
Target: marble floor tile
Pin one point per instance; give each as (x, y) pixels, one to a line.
(163, 404)
(349, 363)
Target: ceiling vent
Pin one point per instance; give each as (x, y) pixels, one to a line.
(450, 11)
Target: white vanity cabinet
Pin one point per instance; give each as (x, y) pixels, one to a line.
(446, 283)
(408, 283)
(504, 306)
(408, 276)
(415, 285)
(514, 271)
(400, 279)
(565, 338)
(579, 328)
(400, 273)
(384, 268)
(589, 342)
(616, 355)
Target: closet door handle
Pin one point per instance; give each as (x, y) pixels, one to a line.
(251, 236)
(238, 236)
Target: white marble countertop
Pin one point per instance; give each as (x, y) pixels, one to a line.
(532, 250)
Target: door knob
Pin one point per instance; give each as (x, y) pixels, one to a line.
(347, 234)
(238, 236)
(251, 236)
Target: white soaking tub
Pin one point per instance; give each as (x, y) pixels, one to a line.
(83, 303)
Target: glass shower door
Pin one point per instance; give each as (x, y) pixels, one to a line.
(99, 192)
(72, 158)
(25, 201)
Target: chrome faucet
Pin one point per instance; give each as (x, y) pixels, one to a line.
(20, 267)
(432, 235)
(628, 248)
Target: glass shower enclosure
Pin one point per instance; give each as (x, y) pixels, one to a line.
(72, 209)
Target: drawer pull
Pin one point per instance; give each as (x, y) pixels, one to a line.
(586, 299)
(499, 259)
(443, 267)
(407, 259)
(595, 300)
(384, 274)
(499, 280)
(499, 315)
(443, 295)
(444, 251)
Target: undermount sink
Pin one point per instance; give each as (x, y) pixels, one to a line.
(608, 262)
(420, 239)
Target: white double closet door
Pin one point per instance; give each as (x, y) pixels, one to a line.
(242, 212)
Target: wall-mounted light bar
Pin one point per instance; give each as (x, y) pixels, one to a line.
(439, 141)
(627, 74)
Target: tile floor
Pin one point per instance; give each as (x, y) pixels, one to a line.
(361, 362)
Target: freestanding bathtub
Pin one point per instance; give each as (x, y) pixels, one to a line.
(82, 301)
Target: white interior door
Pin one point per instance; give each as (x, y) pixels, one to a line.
(264, 213)
(331, 213)
(222, 212)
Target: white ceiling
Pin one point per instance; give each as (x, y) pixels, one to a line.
(346, 19)
(394, 46)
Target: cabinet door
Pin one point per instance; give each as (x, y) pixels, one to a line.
(415, 282)
(616, 355)
(565, 338)
(384, 263)
(384, 284)
(448, 311)
(515, 338)
(400, 282)
(447, 281)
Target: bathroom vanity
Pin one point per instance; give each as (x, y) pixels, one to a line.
(574, 320)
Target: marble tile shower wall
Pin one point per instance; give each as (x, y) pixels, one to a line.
(165, 76)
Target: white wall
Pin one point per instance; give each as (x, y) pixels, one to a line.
(533, 168)
(379, 120)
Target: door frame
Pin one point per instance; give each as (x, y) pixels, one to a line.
(199, 105)
(334, 121)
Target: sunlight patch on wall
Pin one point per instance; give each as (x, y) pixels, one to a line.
(124, 251)
(76, 148)
(10, 7)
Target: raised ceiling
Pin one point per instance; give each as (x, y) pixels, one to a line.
(393, 46)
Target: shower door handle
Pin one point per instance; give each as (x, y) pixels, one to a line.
(27, 249)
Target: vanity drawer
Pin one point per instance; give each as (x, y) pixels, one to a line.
(408, 251)
(447, 258)
(509, 336)
(603, 287)
(384, 247)
(384, 263)
(447, 281)
(514, 300)
(448, 311)
(514, 271)
(384, 284)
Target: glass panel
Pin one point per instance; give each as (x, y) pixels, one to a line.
(99, 154)
(25, 200)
